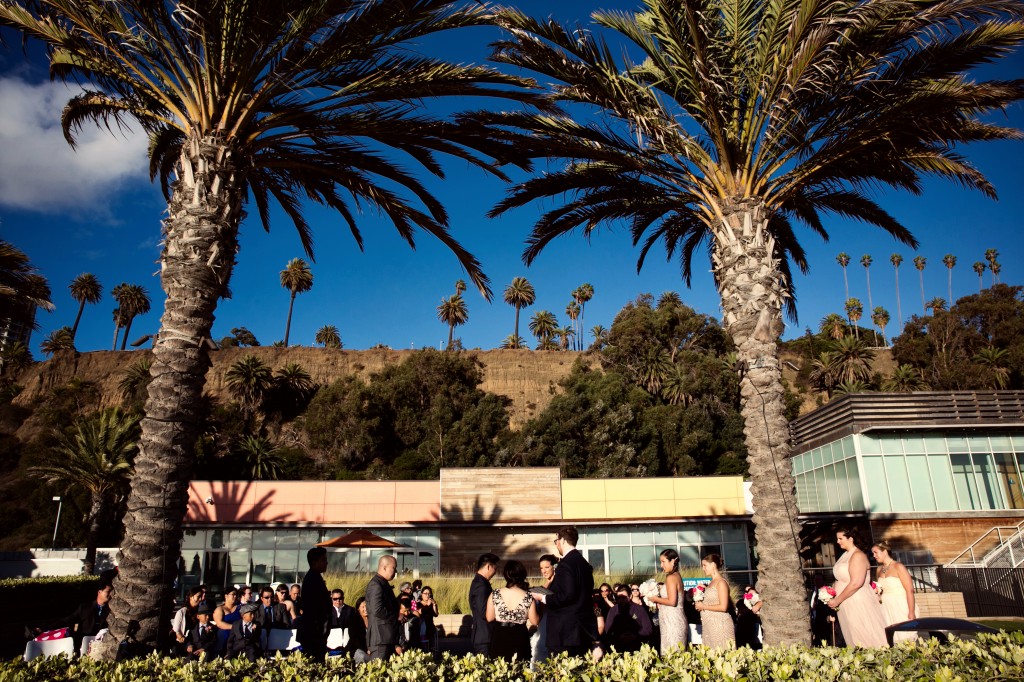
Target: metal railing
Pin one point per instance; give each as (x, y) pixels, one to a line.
(988, 592)
(982, 550)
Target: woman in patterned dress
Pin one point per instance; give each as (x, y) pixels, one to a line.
(671, 618)
(510, 608)
(718, 630)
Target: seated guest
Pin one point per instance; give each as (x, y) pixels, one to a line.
(628, 624)
(283, 597)
(90, 617)
(357, 632)
(203, 640)
(426, 609)
(270, 615)
(295, 593)
(244, 640)
(408, 625)
(342, 615)
(185, 618)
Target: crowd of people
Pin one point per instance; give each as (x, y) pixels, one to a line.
(564, 612)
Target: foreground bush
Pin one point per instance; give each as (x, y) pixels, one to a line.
(992, 657)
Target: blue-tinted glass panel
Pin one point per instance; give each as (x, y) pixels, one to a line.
(913, 444)
(848, 449)
(942, 483)
(620, 560)
(899, 484)
(934, 444)
(1018, 442)
(734, 532)
(264, 539)
(618, 537)
(892, 444)
(815, 458)
(920, 483)
(831, 488)
(1000, 443)
(262, 565)
(594, 537)
(689, 555)
(806, 501)
(642, 537)
(966, 485)
(978, 444)
(869, 445)
(878, 491)
(710, 534)
(856, 495)
(665, 536)
(735, 555)
(689, 535)
(843, 502)
(826, 454)
(798, 465)
(193, 539)
(957, 444)
(988, 480)
(238, 568)
(645, 559)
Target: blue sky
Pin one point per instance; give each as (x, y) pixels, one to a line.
(95, 210)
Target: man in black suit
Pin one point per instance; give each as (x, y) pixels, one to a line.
(202, 638)
(382, 611)
(341, 613)
(479, 592)
(572, 625)
(270, 615)
(90, 617)
(244, 640)
(312, 629)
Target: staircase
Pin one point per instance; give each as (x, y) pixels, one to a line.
(1000, 547)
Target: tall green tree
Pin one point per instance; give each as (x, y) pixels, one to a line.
(519, 294)
(453, 312)
(277, 101)
(85, 288)
(543, 325)
(57, 341)
(132, 301)
(833, 325)
(979, 269)
(880, 318)
(735, 121)
(249, 379)
(866, 261)
(919, 263)
(854, 311)
(96, 455)
(297, 278)
(896, 259)
(844, 260)
(992, 255)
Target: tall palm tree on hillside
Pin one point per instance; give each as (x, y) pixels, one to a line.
(844, 259)
(880, 318)
(834, 326)
(582, 295)
(58, 340)
(866, 261)
(543, 325)
(85, 288)
(979, 269)
(132, 301)
(572, 311)
(739, 120)
(277, 101)
(919, 263)
(854, 311)
(453, 312)
(519, 294)
(328, 336)
(949, 260)
(95, 455)
(896, 259)
(991, 255)
(297, 278)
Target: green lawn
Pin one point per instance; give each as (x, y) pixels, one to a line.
(1007, 625)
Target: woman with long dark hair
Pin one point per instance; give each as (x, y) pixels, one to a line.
(718, 630)
(671, 618)
(510, 608)
(860, 614)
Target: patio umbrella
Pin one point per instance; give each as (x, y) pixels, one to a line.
(360, 538)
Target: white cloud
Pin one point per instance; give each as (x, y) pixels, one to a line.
(40, 172)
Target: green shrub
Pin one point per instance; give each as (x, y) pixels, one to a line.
(996, 658)
(39, 602)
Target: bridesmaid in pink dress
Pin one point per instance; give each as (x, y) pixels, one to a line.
(860, 614)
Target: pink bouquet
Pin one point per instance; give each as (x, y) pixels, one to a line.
(750, 598)
(698, 593)
(826, 594)
(876, 588)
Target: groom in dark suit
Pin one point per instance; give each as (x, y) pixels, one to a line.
(479, 593)
(572, 625)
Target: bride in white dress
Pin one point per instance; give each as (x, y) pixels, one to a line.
(897, 590)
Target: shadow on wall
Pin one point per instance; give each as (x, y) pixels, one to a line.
(231, 502)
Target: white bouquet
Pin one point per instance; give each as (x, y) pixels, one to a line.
(650, 588)
(698, 593)
(750, 598)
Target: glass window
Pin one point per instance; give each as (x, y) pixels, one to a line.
(920, 483)
(429, 540)
(336, 561)
(957, 444)
(942, 483)
(963, 479)
(428, 562)
(992, 491)
(979, 444)
(665, 537)
(892, 444)
(618, 537)
(193, 539)
(843, 502)
(645, 559)
(1018, 442)
(819, 489)
(642, 537)
(192, 574)
(289, 539)
(856, 494)
(878, 491)
(1000, 443)
(913, 444)
(689, 555)
(869, 445)
(238, 539)
(595, 557)
(710, 549)
(286, 565)
(899, 484)
(805, 501)
(710, 533)
(798, 465)
(620, 560)
(934, 443)
(735, 555)
(826, 454)
(734, 532)
(594, 537)
(689, 536)
(264, 539)
(215, 570)
(815, 458)
(848, 447)
(1009, 478)
(262, 565)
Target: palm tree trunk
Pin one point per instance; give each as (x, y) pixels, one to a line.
(200, 241)
(753, 292)
(117, 332)
(127, 329)
(78, 318)
(899, 311)
(288, 325)
(95, 518)
(451, 333)
(515, 337)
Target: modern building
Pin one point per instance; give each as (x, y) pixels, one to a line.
(258, 532)
(929, 472)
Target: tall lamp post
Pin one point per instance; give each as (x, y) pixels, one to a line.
(53, 544)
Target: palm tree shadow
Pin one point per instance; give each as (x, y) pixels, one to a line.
(229, 502)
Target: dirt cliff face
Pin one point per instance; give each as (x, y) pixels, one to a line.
(528, 378)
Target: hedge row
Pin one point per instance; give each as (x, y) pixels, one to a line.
(38, 602)
(996, 658)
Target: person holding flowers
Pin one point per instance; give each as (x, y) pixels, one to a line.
(671, 618)
(717, 628)
(860, 615)
(748, 623)
(895, 589)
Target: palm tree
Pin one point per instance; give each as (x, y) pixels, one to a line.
(519, 294)
(564, 336)
(57, 341)
(511, 342)
(996, 269)
(919, 263)
(880, 318)
(20, 282)
(991, 255)
(823, 374)
(135, 380)
(97, 456)
(543, 325)
(119, 321)
(994, 360)
(460, 286)
(453, 312)
(851, 360)
(249, 379)
(949, 260)
(844, 259)
(328, 336)
(896, 259)
(904, 379)
(866, 261)
(132, 301)
(262, 458)
(600, 335)
(582, 294)
(833, 325)
(294, 386)
(297, 278)
(848, 387)
(737, 120)
(854, 311)
(277, 101)
(14, 356)
(85, 289)
(979, 269)
(936, 305)
(572, 311)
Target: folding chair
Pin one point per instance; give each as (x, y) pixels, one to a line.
(54, 647)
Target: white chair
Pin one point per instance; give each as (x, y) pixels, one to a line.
(86, 643)
(695, 633)
(54, 647)
(280, 640)
(337, 637)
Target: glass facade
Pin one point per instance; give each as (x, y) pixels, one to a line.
(622, 550)
(220, 557)
(908, 471)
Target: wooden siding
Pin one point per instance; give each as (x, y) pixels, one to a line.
(461, 547)
(858, 412)
(945, 537)
(501, 494)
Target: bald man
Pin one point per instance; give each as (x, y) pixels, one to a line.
(382, 611)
